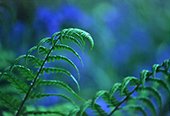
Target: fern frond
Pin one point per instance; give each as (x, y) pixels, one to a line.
(76, 33)
(42, 50)
(42, 95)
(61, 70)
(25, 73)
(60, 84)
(155, 68)
(134, 109)
(143, 76)
(31, 59)
(100, 93)
(60, 57)
(68, 48)
(45, 40)
(126, 81)
(20, 85)
(9, 101)
(83, 108)
(160, 82)
(154, 92)
(139, 86)
(147, 101)
(115, 88)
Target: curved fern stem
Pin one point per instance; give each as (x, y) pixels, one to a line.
(127, 97)
(35, 80)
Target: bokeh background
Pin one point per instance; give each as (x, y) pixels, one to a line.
(129, 35)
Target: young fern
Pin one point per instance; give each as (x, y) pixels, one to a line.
(148, 87)
(142, 96)
(27, 73)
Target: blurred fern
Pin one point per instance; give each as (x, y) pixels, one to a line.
(146, 95)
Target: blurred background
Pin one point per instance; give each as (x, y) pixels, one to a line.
(129, 35)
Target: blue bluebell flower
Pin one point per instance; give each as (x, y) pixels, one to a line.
(44, 22)
(140, 38)
(121, 53)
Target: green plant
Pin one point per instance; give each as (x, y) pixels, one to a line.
(26, 76)
(147, 87)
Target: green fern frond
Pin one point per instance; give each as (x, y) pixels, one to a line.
(76, 33)
(115, 87)
(140, 86)
(61, 70)
(155, 68)
(42, 95)
(99, 94)
(60, 57)
(19, 84)
(30, 59)
(9, 102)
(126, 81)
(83, 108)
(26, 72)
(143, 76)
(160, 82)
(147, 101)
(27, 77)
(154, 92)
(134, 109)
(60, 84)
(68, 48)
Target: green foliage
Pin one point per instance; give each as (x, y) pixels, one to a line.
(147, 86)
(27, 77)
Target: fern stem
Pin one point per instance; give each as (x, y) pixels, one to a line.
(127, 97)
(35, 80)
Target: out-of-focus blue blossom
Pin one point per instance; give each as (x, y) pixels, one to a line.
(16, 37)
(17, 32)
(73, 16)
(117, 18)
(47, 21)
(140, 39)
(121, 53)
